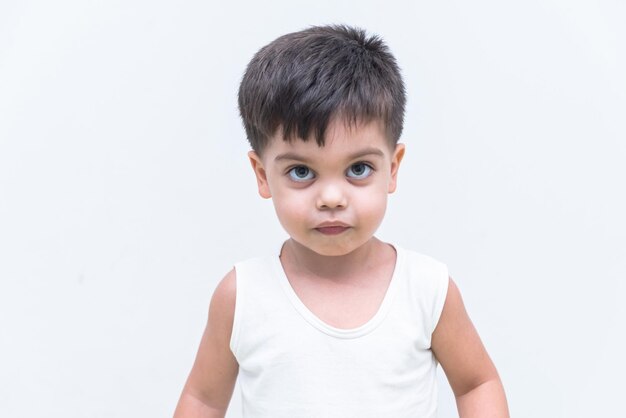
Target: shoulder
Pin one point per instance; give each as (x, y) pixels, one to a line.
(427, 284)
(425, 272)
(213, 375)
(416, 258)
(453, 306)
(458, 347)
(222, 307)
(228, 284)
(454, 321)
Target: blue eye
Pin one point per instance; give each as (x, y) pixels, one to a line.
(300, 173)
(359, 171)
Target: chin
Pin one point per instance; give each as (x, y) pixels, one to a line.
(333, 252)
(336, 249)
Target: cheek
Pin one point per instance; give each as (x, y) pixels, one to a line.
(290, 208)
(372, 205)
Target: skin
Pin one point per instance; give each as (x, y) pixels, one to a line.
(331, 200)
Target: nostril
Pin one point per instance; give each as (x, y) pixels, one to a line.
(325, 206)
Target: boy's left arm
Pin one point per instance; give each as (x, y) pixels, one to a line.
(471, 373)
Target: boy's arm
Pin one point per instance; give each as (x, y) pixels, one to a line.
(470, 371)
(212, 379)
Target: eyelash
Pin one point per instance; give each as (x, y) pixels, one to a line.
(299, 180)
(368, 170)
(291, 169)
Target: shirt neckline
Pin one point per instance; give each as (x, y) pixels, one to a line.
(322, 326)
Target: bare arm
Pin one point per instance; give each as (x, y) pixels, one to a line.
(212, 379)
(472, 375)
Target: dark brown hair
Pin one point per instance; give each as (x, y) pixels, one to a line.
(302, 80)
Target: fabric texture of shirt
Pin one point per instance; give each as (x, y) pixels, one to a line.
(294, 365)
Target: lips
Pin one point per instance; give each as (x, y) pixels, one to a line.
(332, 228)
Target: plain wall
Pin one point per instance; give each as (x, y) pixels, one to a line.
(126, 194)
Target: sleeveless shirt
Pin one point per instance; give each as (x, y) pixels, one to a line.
(294, 365)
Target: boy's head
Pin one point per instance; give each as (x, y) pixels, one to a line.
(301, 82)
(343, 89)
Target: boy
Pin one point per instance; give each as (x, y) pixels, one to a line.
(338, 324)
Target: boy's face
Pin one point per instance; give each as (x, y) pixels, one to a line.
(330, 199)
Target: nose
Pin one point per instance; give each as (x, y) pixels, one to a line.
(331, 196)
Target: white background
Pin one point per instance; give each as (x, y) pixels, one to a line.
(125, 193)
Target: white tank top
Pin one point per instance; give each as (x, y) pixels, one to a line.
(294, 365)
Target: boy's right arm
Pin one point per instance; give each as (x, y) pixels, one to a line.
(212, 379)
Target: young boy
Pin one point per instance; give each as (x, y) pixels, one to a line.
(337, 323)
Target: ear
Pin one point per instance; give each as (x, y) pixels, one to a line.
(396, 159)
(261, 175)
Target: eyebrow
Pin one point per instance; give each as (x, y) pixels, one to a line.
(358, 154)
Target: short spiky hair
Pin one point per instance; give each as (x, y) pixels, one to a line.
(301, 80)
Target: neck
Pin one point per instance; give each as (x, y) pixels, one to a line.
(306, 262)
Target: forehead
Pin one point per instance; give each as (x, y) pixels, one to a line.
(341, 140)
